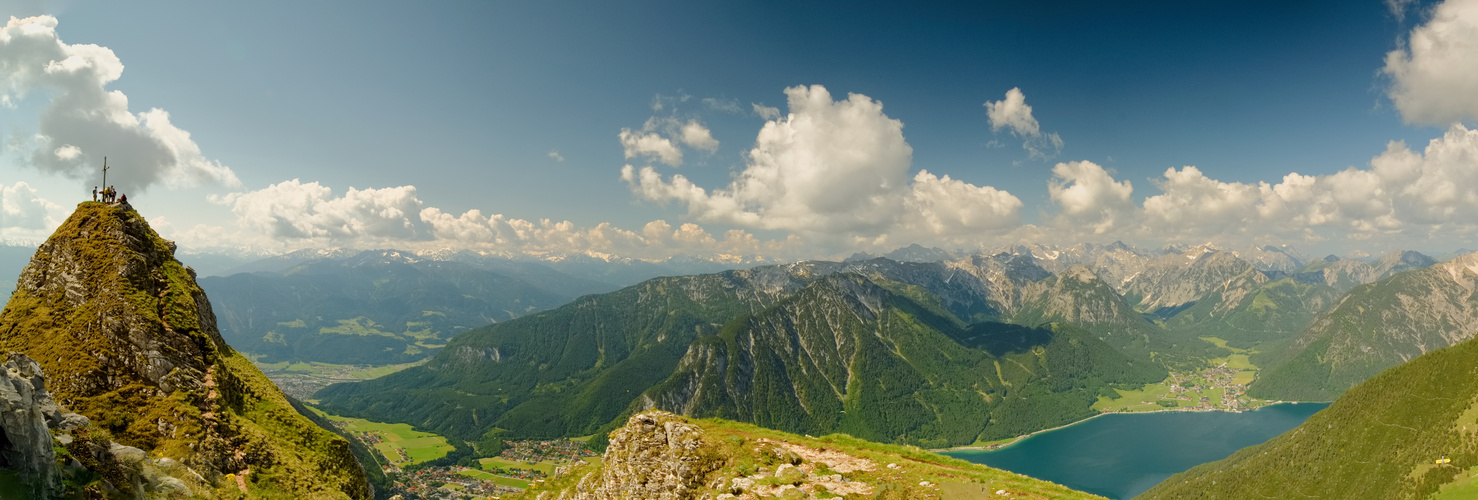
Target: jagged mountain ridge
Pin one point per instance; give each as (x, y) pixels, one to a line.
(255, 309)
(1377, 326)
(128, 339)
(1205, 291)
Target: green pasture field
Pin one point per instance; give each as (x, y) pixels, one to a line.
(1132, 400)
(420, 446)
(546, 466)
(346, 372)
(488, 476)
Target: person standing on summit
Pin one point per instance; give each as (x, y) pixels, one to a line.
(94, 193)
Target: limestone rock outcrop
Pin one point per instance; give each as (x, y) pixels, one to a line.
(656, 455)
(33, 426)
(26, 408)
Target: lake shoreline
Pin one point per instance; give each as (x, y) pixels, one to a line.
(1120, 458)
(1022, 437)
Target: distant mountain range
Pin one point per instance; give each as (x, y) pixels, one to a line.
(590, 273)
(878, 348)
(12, 260)
(921, 346)
(1374, 327)
(801, 346)
(372, 308)
(389, 306)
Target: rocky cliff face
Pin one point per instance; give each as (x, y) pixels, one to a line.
(129, 340)
(26, 409)
(50, 446)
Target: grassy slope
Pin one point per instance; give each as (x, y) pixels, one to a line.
(742, 451)
(1379, 440)
(419, 446)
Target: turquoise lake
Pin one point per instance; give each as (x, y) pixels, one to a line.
(1122, 455)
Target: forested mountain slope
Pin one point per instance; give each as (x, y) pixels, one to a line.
(847, 355)
(576, 369)
(1375, 327)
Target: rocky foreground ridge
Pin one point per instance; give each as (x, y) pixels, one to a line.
(52, 448)
(662, 456)
(128, 340)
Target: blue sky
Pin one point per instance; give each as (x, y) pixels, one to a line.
(516, 109)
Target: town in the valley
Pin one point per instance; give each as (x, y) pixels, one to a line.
(519, 465)
(1222, 386)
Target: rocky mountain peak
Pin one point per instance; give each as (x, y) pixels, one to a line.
(1467, 264)
(129, 340)
(103, 306)
(1402, 260)
(1081, 273)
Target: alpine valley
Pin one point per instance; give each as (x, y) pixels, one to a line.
(662, 250)
(919, 347)
(962, 350)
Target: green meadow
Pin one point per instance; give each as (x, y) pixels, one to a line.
(488, 476)
(419, 446)
(547, 467)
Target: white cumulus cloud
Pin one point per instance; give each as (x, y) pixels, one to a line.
(1434, 75)
(84, 121)
(293, 214)
(298, 210)
(1090, 197)
(766, 112)
(1015, 115)
(1404, 195)
(833, 167)
(22, 208)
(945, 206)
(698, 136)
(659, 137)
(641, 144)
